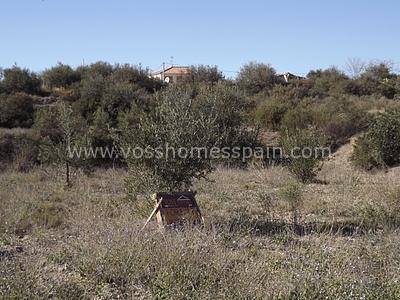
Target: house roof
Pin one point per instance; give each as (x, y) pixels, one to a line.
(289, 75)
(174, 70)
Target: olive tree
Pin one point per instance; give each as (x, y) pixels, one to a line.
(171, 146)
(69, 149)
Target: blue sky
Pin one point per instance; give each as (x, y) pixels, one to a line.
(291, 35)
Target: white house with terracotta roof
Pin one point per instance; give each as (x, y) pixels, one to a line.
(171, 74)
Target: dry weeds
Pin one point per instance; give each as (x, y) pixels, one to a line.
(85, 242)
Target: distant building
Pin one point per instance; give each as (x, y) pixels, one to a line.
(171, 74)
(288, 76)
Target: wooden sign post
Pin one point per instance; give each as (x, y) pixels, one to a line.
(174, 209)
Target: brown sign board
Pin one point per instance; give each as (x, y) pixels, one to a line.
(177, 208)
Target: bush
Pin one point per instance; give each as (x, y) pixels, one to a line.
(114, 91)
(299, 116)
(135, 75)
(6, 147)
(327, 82)
(16, 110)
(378, 79)
(60, 76)
(255, 77)
(203, 74)
(26, 152)
(120, 97)
(211, 119)
(380, 145)
(177, 124)
(303, 150)
(99, 68)
(271, 111)
(46, 123)
(292, 194)
(20, 149)
(17, 80)
(338, 117)
(91, 91)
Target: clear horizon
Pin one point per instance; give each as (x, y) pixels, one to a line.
(291, 36)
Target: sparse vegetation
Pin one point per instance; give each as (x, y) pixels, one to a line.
(85, 241)
(331, 232)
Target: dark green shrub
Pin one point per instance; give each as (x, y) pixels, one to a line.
(327, 82)
(203, 74)
(91, 92)
(16, 110)
(17, 80)
(380, 145)
(46, 123)
(114, 91)
(255, 77)
(271, 111)
(120, 97)
(60, 76)
(135, 75)
(96, 69)
(378, 78)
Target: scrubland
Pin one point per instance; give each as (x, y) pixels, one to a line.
(86, 242)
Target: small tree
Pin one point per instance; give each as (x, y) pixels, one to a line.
(67, 151)
(255, 77)
(292, 194)
(203, 74)
(303, 150)
(60, 76)
(176, 138)
(175, 124)
(17, 80)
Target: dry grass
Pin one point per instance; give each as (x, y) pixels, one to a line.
(85, 242)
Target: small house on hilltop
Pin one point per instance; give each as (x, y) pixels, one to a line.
(171, 74)
(288, 76)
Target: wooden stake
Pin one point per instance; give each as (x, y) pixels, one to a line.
(153, 213)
